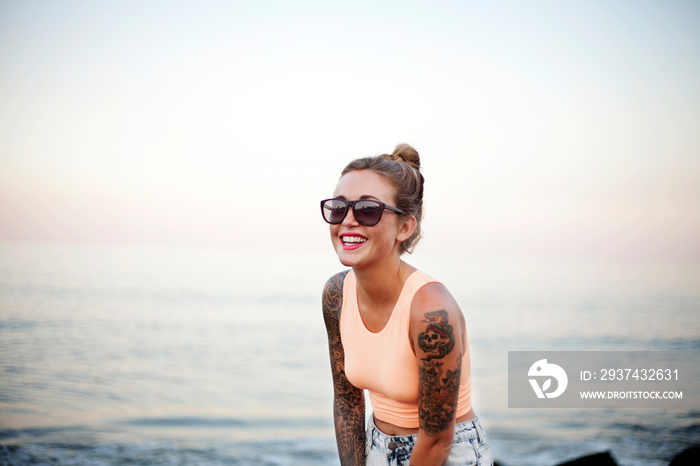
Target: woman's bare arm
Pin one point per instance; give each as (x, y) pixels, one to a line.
(438, 337)
(348, 401)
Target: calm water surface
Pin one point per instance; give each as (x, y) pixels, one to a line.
(137, 355)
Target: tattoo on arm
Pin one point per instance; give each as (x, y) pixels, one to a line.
(348, 401)
(438, 339)
(438, 390)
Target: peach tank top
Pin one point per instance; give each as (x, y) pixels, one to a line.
(383, 363)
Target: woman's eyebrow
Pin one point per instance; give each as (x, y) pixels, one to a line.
(364, 196)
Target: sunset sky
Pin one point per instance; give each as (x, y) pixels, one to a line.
(544, 127)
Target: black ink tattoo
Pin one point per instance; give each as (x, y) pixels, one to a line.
(438, 392)
(348, 400)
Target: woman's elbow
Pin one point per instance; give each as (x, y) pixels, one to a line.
(437, 448)
(442, 444)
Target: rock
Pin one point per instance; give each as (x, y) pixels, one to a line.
(597, 459)
(688, 457)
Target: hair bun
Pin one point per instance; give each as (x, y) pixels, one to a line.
(405, 153)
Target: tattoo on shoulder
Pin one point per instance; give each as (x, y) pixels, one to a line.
(438, 340)
(333, 293)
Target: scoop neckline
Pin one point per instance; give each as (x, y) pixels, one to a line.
(393, 311)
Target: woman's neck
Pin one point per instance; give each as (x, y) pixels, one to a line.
(380, 286)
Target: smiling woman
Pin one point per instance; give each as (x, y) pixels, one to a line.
(406, 181)
(393, 330)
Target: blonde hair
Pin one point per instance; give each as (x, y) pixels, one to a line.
(402, 169)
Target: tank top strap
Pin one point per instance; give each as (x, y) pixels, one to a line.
(414, 282)
(349, 286)
(349, 313)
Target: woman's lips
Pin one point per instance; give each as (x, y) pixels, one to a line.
(351, 242)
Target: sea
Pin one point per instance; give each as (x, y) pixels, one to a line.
(211, 356)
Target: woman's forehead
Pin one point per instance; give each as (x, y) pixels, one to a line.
(358, 183)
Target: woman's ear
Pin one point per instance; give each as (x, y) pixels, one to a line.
(406, 227)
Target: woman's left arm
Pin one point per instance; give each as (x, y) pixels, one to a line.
(438, 337)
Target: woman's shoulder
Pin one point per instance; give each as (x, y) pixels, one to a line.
(433, 296)
(433, 293)
(333, 292)
(434, 307)
(336, 281)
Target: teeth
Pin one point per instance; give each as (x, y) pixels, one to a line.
(353, 239)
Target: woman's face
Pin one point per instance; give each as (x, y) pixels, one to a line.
(358, 245)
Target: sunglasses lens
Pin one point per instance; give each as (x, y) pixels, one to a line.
(334, 211)
(367, 213)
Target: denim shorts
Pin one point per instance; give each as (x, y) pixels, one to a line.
(469, 446)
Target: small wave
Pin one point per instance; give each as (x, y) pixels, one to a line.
(185, 422)
(225, 422)
(34, 432)
(17, 324)
(308, 452)
(692, 430)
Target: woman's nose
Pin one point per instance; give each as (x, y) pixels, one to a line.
(350, 218)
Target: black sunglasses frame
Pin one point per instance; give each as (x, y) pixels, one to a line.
(351, 205)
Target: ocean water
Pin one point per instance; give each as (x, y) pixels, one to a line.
(156, 355)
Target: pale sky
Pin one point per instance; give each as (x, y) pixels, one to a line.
(544, 127)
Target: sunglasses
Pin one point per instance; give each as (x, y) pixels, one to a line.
(366, 212)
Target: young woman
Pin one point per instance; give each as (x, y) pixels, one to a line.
(393, 330)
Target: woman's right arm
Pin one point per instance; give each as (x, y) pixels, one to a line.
(348, 400)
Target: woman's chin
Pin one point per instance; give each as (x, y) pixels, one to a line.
(349, 258)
